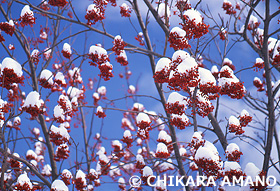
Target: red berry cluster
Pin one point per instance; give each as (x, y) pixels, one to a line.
(7, 28)
(177, 42)
(192, 29)
(58, 3)
(227, 6)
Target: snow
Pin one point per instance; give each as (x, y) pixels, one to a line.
(233, 120)
(139, 141)
(251, 170)
(43, 35)
(121, 180)
(226, 60)
(102, 90)
(101, 151)
(166, 165)
(142, 117)
(138, 106)
(227, 1)
(97, 50)
(99, 109)
(75, 73)
(97, 135)
(253, 20)
(163, 63)
(17, 120)
(180, 53)
(35, 53)
(245, 113)
(257, 79)
(26, 10)
(186, 65)
(161, 147)
(117, 143)
(58, 185)
(92, 7)
(104, 158)
(67, 48)
(193, 14)
(259, 60)
(33, 100)
(223, 81)
(34, 163)
(182, 151)
(59, 76)
(47, 170)
(179, 31)
(114, 171)
(164, 136)
(183, 117)
(63, 146)
(232, 147)
(212, 147)
(47, 75)
(161, 10)
(214, 69)
(9, 124)
(98, 168)
(231, 165)
(128, 123)
(160, 185)
(66, 173)
(124, 6)
(61, 131)
(227, 68)
(95, 95)
(66, 102)
(273, 43)
(140, 159)
(82, 175)
(107, 64)
(47, 53)
(123, 54)
(31, 153)
(197, 135)
(16, 155)
(132, 89)
(160, 124)
(175, 96)
(74, 92)
(10, 63)
(147, 171)
(127, 134)
(206, 76)
(23, 179)
(36, 131)
(93, 172)
(58, 112)
(118, 37)
(11, 23)
(204, 152)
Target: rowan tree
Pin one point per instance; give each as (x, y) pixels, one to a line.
(94, 92)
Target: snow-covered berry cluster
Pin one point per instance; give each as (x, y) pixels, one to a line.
(98, 56)
(125, 10)
(193, 24)
(177, 39)
(227, 6)
(26, 16)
